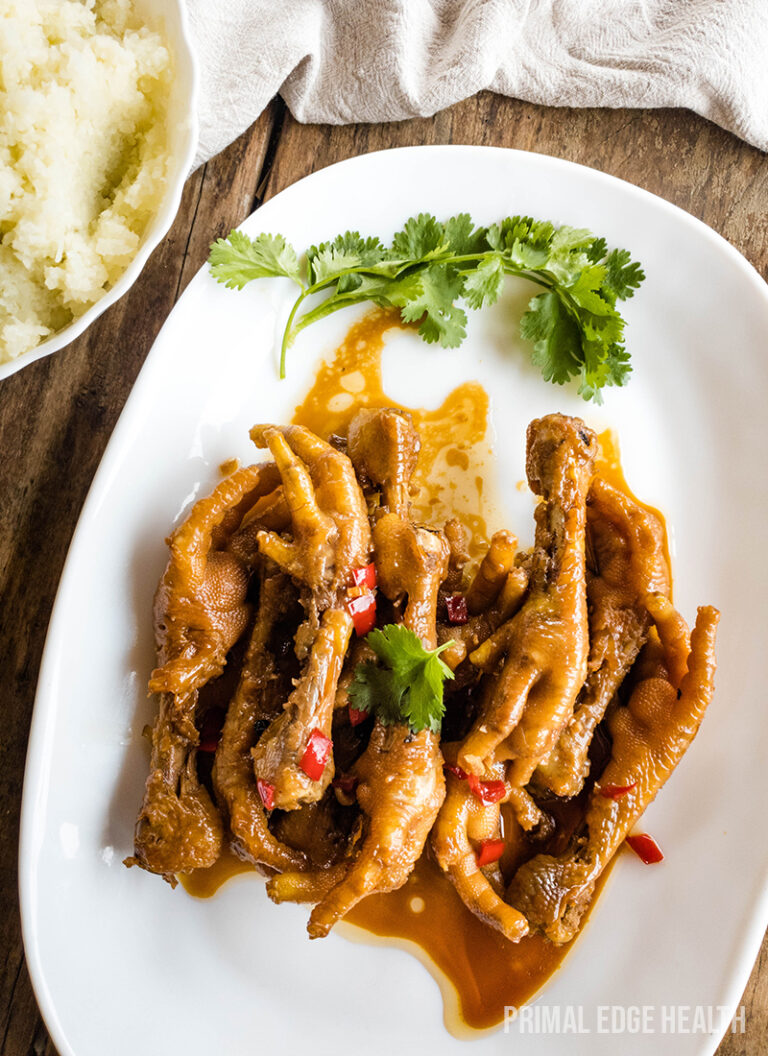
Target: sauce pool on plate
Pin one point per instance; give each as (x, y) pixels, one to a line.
(485, 971)
(455, 459)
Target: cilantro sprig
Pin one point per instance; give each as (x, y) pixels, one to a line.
(431, 268)
(407, 686)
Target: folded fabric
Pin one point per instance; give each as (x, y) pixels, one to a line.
(342, 61)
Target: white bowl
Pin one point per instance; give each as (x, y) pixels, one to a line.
(170, 18)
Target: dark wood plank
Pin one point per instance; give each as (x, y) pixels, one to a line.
(672, 153)
(56, 417)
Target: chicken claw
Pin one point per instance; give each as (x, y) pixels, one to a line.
(650, 736)
(493, 597)
(255, 699)
(329, 523)
(465, 819)
(400, 792)
(400, 774)
(330, 538)
(628, 581)
(200, 612)
(384, 448)
(277, 758)
(546, 642)
(492, 572)
(200, 609)
(411, 562)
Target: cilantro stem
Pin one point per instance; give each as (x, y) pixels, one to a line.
(430, 267)
(287, 336)
(294, 326)
(317, 287)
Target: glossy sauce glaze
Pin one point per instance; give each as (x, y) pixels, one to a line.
(486, 973)
(455, 459)
(608, 466)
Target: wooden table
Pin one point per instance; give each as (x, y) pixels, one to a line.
(57, 415)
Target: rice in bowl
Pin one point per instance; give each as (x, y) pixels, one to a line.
(83, 157)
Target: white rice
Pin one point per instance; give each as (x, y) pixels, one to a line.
(83, 158)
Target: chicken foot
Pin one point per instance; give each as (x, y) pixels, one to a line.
(465, 820)
(330, 539)
(546, 643)
(256, 700)
(400, 774)
(650, 736)
(627, 562)
(200, 611)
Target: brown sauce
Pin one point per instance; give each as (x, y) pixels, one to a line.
(609, 467)
(455, 464)
(486, 971)
(479, 971)
(204, 883)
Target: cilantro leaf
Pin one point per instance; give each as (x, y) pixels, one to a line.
(622, 275)
(409, 688)
(483, 285)
(431, 267)
(423, 704)
(237, 259)
(521, 230)
(349, 250)
(597, 250)
(463, 237)
(422, 237)
(375, 689)
(430, 295)
(569, 238)
(585, 288)
(398, 646)
(555, 336)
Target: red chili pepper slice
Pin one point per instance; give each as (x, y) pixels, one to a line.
(347, 783)
(357, 715)
(456, 771)
(210, 730)
(363, 613)
(456, 606)
(646, 848)
(486, 791)
(316, 754)
(616, 791)
(267, 793)
(365, 577)
(489, 852)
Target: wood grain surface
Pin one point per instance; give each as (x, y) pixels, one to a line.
(57, 415)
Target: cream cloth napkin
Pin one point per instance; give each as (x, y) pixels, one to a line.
(341, 61)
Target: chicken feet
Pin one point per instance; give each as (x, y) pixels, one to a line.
(200, 612)
(627, 562)
(400, 775)
(465, 820)
(330, 539)
(256, 700)
(650, 735)
(546, 642)
(329, 523)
